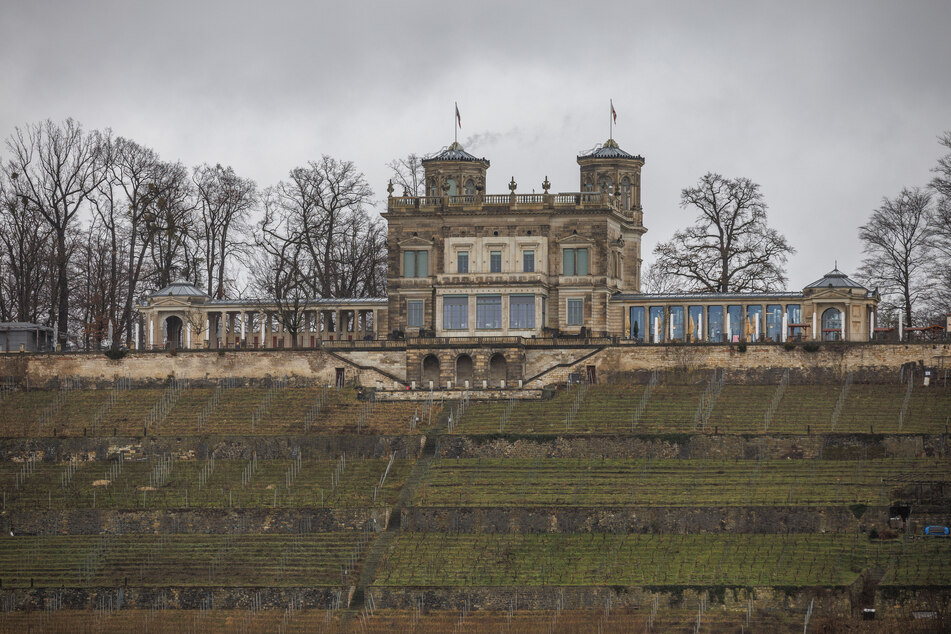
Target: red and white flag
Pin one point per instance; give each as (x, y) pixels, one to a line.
(613, 113)
(458, 117)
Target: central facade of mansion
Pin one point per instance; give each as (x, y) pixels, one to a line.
(466, 263)
(470, 268)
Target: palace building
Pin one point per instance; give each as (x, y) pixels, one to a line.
(468, 266)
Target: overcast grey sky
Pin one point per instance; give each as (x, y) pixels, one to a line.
(828, 105)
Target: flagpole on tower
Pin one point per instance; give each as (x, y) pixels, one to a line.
(456, 124)
(611, 121)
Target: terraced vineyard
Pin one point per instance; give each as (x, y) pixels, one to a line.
(166, 483)
(655, 507)
(197, 410)
(611, 482)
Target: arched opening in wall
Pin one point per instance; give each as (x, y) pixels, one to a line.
(451, 182)
(433, 190)
(497, 367)
(832, 324)
(463, 368)
(470, 188)
(431, 369)
(626, 192)
(173, 332)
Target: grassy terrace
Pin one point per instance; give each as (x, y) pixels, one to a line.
(34, 413)
(610, 409)
(315, 559)
(436, 559)
(192, 483)
(614, 482)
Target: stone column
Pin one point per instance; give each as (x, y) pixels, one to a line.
(244, 319)
(151, 330)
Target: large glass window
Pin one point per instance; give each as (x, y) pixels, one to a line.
(832, 324)
(637, 323)
(528, 261)
(735, 323)
(656, 316)
(495, 261)
(754, 323)
(794, 316)
(715, 324)
(489, 312)
(575, 312)
(677, 323)
(415, 263)
(522, 311)
(414, 313)
(774, 322)
(455, 312)
(574, 262)
(695, 321)
(462, 262)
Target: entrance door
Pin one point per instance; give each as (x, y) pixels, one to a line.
(592, 375)
(338, 381)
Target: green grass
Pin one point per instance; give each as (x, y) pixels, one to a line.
(640, 482)
(92, 485)
(438, 559)
(316, 559)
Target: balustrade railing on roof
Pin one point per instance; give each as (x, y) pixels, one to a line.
(582, 199)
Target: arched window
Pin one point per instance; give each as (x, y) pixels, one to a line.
(452, 186)
(433, 191)
(832, 324)
(470, 188)
(626, 192)
(605, 185)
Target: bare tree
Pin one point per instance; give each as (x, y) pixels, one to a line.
(131, 203)
(225, 201)
(57, 167)
(897, 242)
(26, 258)
(323, 207)
(281, 265)
(941, 254)
(171, 222)
(408, 174)
(658, 280)
(729, 248)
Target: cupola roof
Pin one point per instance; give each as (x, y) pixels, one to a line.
(454, 152)
(180, 288)
(835, 279)
(609, 150)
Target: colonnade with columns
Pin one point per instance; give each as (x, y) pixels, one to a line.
(214, 327)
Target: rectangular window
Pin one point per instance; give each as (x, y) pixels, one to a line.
(495, 261)
(414, 313)
(415, 263)
(489, 312)
(677, 323)
(528, 261)
(637, 323)
(522, 311)
(574, 262)
(655, 316)
(575, 312)
(462, 262)
(455, 312)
